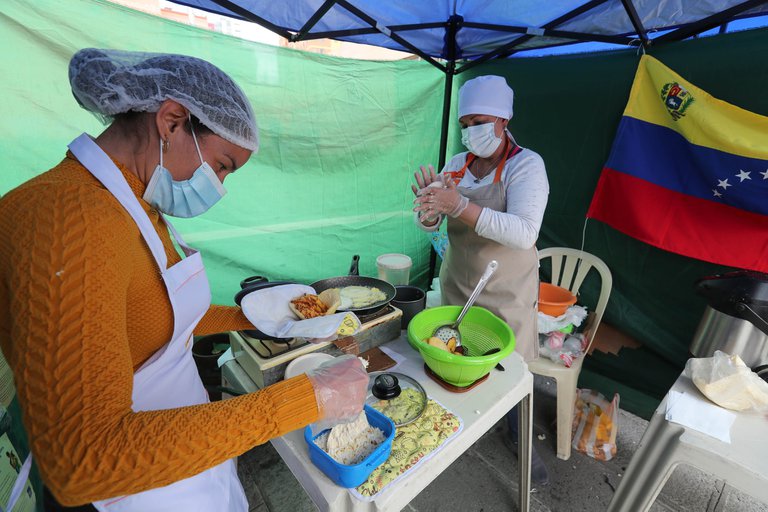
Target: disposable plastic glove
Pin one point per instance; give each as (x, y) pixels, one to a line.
(446, 201)
(340, 386)
(425, 178)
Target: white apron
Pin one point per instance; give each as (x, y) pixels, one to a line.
(513, 290)
(169, 378)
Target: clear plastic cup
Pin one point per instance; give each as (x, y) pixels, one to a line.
(394, 268)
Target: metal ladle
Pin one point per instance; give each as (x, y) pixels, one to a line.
(448, 331)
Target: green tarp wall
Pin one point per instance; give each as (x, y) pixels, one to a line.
(567, 108)
(341, 138)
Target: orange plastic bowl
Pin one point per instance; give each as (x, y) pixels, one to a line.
(554, 300)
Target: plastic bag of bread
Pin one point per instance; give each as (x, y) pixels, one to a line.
(728, 382)
(311, 306)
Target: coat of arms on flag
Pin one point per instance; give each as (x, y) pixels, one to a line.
(687, 173)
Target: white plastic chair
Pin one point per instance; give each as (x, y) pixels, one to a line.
(569, 269)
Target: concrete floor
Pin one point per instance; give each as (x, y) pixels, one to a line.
(483, 479)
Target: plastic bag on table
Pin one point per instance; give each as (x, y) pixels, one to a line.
(595, 424)
(728, 382)
(561, 348)
(439, 239)
(573, 315)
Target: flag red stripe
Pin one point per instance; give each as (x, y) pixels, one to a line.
(680, 223)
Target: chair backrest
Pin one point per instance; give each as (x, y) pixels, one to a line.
(569, 269)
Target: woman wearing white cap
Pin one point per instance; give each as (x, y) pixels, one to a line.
(98, 309)
(493, 196)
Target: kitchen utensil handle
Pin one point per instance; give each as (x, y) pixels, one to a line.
(354, 269)
(252, 280)
(489, 270)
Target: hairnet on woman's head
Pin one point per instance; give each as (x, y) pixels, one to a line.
(489, 95)
(111, 82)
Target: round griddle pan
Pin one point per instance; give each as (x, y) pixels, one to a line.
(354, 279)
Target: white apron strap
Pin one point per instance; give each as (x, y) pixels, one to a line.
(189, 251)
(104, 169)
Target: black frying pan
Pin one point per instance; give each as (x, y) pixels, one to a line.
(355, 279)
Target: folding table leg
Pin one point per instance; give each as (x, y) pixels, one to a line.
(649, 469)
(524, 438)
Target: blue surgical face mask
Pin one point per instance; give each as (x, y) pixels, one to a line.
(187, 198)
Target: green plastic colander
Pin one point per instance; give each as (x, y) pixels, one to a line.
(480, 331)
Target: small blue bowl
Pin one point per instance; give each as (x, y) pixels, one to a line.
(352, 476)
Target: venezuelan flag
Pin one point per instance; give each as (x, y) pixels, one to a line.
(687, 173)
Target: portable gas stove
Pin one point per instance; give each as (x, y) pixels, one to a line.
(265, 360)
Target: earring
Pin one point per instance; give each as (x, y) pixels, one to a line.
(166, 144)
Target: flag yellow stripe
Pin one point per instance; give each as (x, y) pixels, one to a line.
(707, 121)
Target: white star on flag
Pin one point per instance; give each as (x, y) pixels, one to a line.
(716, 193)
(723, 184)
(743, 175)
(765, 175)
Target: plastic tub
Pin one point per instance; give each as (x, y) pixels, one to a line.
(480, 331)
(352, 476)
(394, 268)
(554, 300)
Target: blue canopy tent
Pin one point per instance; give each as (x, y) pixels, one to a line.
(457, 35)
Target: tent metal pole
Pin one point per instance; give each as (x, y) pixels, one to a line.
(249, 16)
(443, 147)
(548, 32)
(370, 30)
(454, 24)
(636, 22)
(508, 48)
(312, 21)
(446, 114)
(704, 24)
(388, 32)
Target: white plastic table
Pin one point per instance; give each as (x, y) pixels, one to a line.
(479, 409)
(743, 463)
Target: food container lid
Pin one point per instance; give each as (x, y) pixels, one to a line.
(394, 261)
(396, 395)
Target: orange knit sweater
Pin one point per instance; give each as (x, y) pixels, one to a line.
(82, 306)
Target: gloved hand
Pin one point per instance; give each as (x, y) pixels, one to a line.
(445, 200)
(340, 386)
(425, 178)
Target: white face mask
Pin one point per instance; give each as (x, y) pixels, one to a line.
(481, 139)
(187, 198)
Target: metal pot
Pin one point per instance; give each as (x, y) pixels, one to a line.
(734, 320)
(355, 279)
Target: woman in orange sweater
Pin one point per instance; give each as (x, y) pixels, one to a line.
(98, 309)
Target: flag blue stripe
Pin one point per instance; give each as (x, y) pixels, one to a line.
(664, 157)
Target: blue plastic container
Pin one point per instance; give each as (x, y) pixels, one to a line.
(352, 476)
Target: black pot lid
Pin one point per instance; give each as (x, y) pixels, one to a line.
(397, 396)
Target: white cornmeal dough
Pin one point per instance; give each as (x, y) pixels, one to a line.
(350, 443)
(360, 296)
